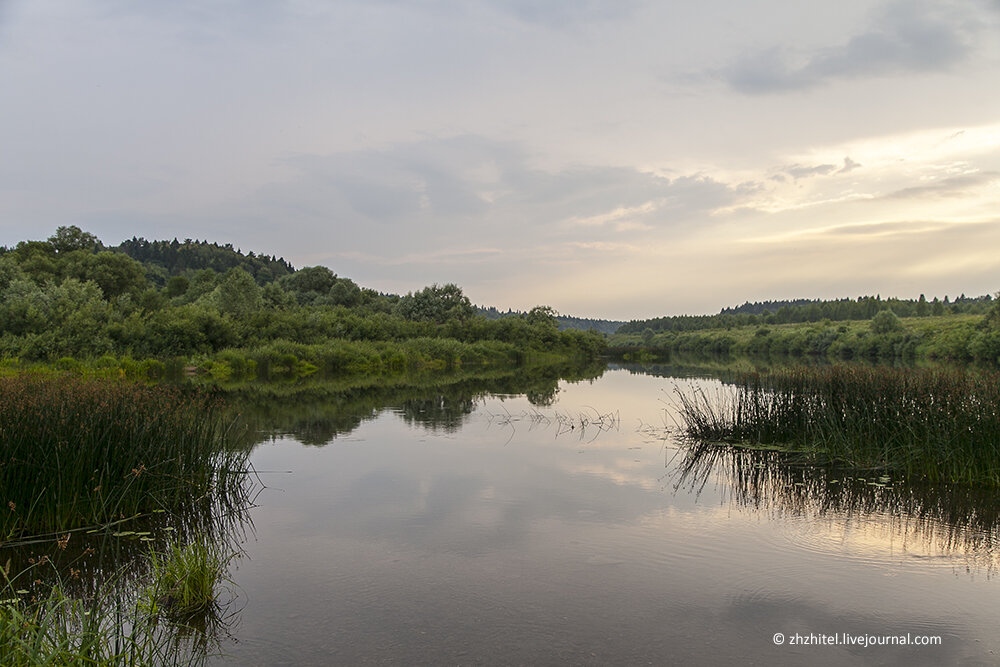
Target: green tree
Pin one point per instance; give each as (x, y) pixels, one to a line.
(437, 303)
(114, 273)
(9, 271)
(68, 239)
(238, 294)
(992, 319)
(309, 283)
(344, 292)
(177, 286)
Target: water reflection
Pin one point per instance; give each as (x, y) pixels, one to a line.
(870, 516)
(317, 411)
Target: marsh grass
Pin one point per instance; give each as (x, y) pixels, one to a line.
(78, 452)
(941, 425)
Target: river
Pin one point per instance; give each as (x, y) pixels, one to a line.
(576, 528)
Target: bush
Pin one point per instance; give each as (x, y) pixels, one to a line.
(885, 321)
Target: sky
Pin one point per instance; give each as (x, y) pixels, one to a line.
(620, 159)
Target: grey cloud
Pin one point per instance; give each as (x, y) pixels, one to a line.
(466, 180)
(199, 22)
(849, 165)
(555, 13)
(798, 171)
(433, 177)
(550, 13)
(911, 37)
(466, 209)
(956, 186)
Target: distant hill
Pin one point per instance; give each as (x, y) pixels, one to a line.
(811, 310)
(764, 307)
(564, 321)
(586, 324)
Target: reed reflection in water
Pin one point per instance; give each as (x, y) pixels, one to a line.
(867, 516)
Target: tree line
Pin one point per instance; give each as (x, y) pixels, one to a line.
(72, 296)
(803, 310)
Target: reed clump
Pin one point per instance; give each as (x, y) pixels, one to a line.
(185, 582)
(78, 452)
(942, 425)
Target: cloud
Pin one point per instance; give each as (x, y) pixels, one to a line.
(798, 171)
(849, 166)
(550, 14)
(558, 13)
(436, 190)
(910, 37)
(955, 186)
(477, 212)
(873, 229)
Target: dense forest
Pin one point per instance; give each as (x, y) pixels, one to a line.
(164, 259)
(71, 297)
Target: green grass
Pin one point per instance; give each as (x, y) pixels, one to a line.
(942, 425)
(184, 584)
(77, 452)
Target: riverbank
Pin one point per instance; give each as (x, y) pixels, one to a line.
(951, 338)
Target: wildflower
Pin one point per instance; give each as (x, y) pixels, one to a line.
(63, 541)
(11, 505)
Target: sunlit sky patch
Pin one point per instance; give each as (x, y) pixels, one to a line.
(610, 159)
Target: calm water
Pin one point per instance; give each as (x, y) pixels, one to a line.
(474, 528)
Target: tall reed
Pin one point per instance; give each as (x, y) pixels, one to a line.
(78, 452)
(936, 424)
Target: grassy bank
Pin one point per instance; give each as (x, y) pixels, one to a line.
(333, 358)
(941, 425)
